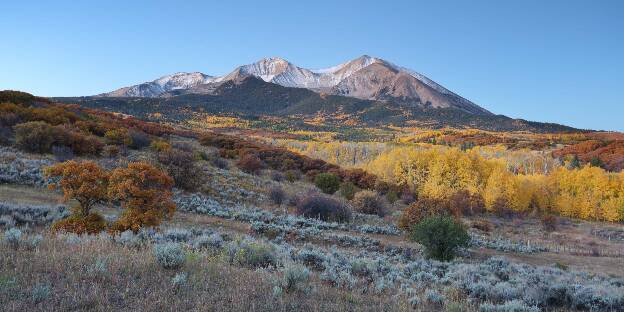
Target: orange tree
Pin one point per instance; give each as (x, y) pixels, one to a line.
(86, 182)
(145, 193)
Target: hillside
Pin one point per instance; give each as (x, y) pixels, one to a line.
(186, 219)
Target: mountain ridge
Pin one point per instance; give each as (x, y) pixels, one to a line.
(250, 98)
(366, 77)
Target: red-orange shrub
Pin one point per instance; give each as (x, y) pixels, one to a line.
(422, 208)
(250, 163)
(92, 223)
(145, 193)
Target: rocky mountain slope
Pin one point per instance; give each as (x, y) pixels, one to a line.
(366, 77)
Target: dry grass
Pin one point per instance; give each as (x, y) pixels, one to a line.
(134, 282)
(573, 240)
(28, 195)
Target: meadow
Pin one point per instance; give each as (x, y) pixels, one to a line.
(105, 212)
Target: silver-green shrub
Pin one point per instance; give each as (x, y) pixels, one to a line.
(169, 255)
(13, 237)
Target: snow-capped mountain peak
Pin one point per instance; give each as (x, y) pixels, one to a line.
(162, 85)
(365, 77)
(183, 80)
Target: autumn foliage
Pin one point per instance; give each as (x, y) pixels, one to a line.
(38, 124)
(425, 207)
(250, 163)
(145, 194)
(87, 183)
(143, 190)
(92, 223)
(440, 173)
(282, 159)
(610, 154)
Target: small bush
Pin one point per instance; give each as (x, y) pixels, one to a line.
(482, 225)
(329, 183)
(549, 223)
(510, 306)
(181, 167)
(41, 292)
(250, 163)
(119, 136)
(6, 133)
(34, 242)
(12, 237)
(160, 146)
(324, 208)
(128, 239)
(561, 266)
(214, 241)
(183, 146)
(220, 162)
(434, 297)
(441, 236)
(201, 155)
(169, 255)
(392, 197)
(177, 234)
(348, 190)
(99, 268)
(408, 198)
(467, 204)
(422, 208)
(292, 175)
(295, 278)
(14, 214)
(277, 195)
(35, 136)
(140, 139)
(112, 151)
(79, 143)
(92, 223)
(250, 254)
(62, 153)
(179, 279)
(369, 202)
(277, 176)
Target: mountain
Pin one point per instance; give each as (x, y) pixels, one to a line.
(250, 97)
(366, 77)
(162, 85)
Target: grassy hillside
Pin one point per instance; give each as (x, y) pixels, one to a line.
(253, 226)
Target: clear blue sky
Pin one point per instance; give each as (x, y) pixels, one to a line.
(557, 61)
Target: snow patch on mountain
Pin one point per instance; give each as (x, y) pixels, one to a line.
(162, 85)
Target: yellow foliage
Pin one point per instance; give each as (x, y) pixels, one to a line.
(587, 193)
